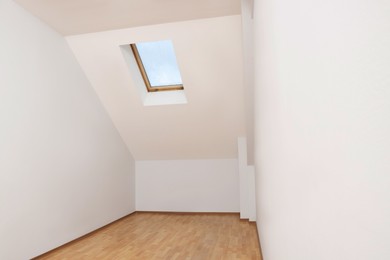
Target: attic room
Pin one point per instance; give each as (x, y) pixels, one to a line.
(281, 128)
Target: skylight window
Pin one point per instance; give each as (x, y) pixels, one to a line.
(158, 66)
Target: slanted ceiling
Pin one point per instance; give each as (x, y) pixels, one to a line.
(71, 17)
(209, 54)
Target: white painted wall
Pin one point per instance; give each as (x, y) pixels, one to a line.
(322, 129)
(247, 182)
(64, 170)
(187, 185)
(251, 192)
(248, 70)
(243, 177)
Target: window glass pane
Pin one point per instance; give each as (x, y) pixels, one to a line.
(160, 64)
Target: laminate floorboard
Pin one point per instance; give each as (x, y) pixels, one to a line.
(149, 236)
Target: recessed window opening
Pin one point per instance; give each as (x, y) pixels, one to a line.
(157, 64)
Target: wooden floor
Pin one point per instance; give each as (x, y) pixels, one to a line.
(167, 236)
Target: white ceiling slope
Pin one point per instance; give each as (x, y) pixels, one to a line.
(71, 17)
(209, 54)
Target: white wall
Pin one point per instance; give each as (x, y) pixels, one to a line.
(248, 70)
(187, 185)
(64, 170)
(322, 129)
(243, 177)
(251, 192)
(247, 182)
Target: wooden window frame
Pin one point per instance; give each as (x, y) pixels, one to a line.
(145, 75)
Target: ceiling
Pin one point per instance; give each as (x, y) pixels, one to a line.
(207, 38)
(70, 17)
(209, 55)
